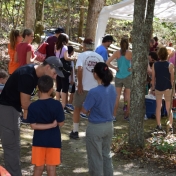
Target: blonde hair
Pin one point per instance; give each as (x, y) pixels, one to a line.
(13, 37)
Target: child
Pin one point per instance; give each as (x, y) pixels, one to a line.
(100, 102)
(46, 116)
(3, 78)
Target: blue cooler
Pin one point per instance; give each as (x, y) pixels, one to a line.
(150, 105)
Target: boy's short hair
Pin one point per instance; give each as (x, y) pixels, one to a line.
(45, 83)
(3, 74)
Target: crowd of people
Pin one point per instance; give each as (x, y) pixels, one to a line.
(86, 97)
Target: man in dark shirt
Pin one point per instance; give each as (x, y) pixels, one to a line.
(52, 41)
(15, 97)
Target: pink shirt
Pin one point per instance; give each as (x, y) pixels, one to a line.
(22, 49)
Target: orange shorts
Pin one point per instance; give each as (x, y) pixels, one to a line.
(48, 156)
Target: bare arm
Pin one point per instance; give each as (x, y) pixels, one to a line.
(66, 57)
(29, 58)
(153, 78)
(114, 56)
(60, 124)
(171, 70)
(79, 76)
(37, 126)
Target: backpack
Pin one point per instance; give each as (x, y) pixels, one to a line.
(41, 52)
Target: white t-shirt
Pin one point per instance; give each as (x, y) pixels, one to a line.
(88, 60)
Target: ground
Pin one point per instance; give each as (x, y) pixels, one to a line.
(74, 160)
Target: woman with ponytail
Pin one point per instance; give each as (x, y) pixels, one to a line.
(100, 102)
(15, 39)
(123, 74)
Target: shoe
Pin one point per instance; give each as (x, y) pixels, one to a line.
(74, 135)
(70, 107)
(66, 111)
(24, 121)
(127, 118)
(159, 129)
(114, 119)
(84, 116)
(171, 131)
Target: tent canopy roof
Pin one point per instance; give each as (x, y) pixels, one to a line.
(164, 10)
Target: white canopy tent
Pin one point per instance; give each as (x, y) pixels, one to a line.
(164, 10)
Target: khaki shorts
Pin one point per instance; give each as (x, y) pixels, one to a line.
(79, 99)
(126, 82)
(166, 93)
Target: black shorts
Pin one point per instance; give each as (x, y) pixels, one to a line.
(62, 84)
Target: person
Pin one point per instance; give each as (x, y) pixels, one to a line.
(162, 82)
(3, 78)
(153, 57)
(84, 65)
(50, 48)
(24, 51)
(155, 43)
(123, 74)
(62, 83)
(15, 39)
(16, 96)
(45, 117)
(100, 121)
(152, 45)
(69, 105)
(103, 48)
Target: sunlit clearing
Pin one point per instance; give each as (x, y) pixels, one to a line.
(80, 170)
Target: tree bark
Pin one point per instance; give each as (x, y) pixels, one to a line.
(30, 14)
(94, 9)
(81, 19)
(39, 10)
(141, 39)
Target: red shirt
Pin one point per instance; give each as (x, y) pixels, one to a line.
(50, 48)
(22, 50)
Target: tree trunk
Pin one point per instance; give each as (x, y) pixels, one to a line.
(68, 18)
(39, 10)
(94, 9)
(81, 19)
(30, 14)
(143, 24)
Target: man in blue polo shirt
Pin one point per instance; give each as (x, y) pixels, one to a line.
(103, 48)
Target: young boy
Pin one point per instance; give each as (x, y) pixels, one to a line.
(46, 116)
(3, 78)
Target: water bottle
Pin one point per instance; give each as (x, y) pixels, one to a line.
(145, 117)
(70, 88)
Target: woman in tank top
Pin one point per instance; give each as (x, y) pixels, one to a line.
(123, 74)
(162, 82)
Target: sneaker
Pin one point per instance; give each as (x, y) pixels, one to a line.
(84, 116)
(159, 129)
(66, 111)
(24, 121)
(70, 107)
(127, 118)
(114, 119)
(74, 135)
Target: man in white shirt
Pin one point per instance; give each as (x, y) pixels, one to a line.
(85, 63)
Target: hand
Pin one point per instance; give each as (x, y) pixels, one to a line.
(71, 82)
(80, 89)
(117, 69)
(129, 69)
(54, 124)
(153, 93)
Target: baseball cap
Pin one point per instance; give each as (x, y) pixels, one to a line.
(59, 30)
(56, 63)
(108, 38)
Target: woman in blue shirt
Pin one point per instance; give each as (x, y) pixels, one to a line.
(100, 102)
(123, 74)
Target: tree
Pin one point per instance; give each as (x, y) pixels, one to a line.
(94, 9)
(39, 10)
(81, 19)
(143, 18)
(30, 14)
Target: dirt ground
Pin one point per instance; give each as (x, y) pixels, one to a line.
(74, 160)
